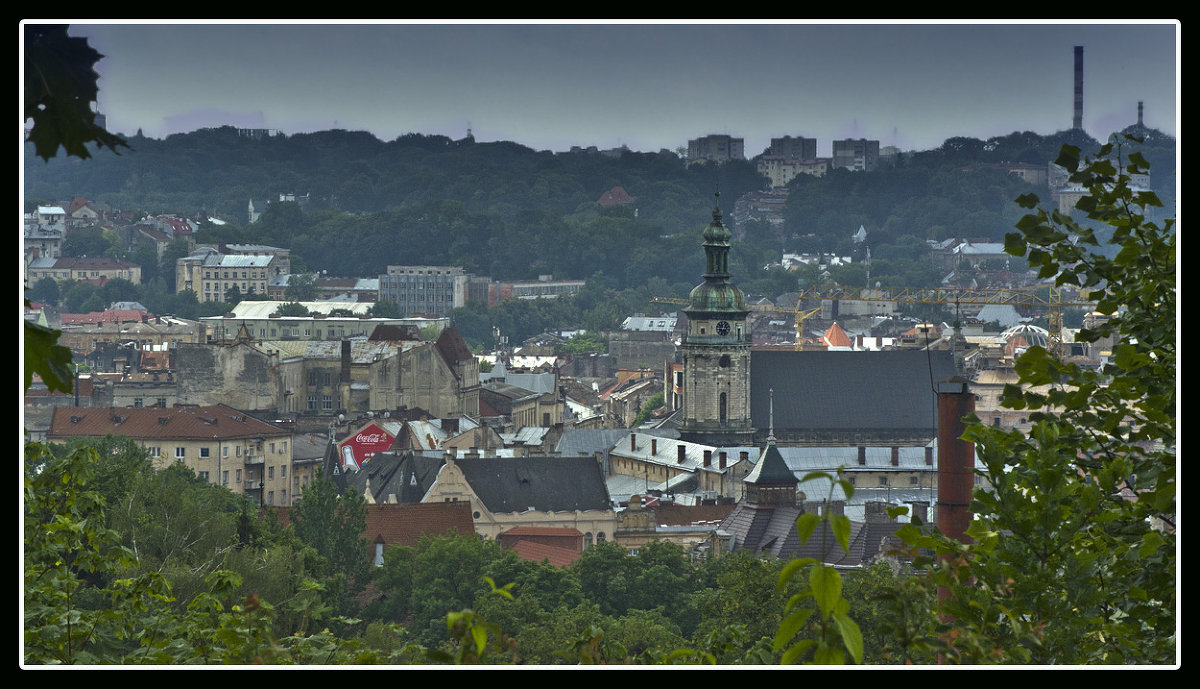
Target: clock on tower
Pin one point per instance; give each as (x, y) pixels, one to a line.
(716, 351)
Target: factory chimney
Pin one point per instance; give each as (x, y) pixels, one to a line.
(1077, 123)
(955, 459)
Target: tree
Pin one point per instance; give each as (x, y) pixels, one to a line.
(1073, 553)
(333, 525)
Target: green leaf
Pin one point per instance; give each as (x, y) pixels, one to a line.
(806, 524)
(48, 359)
(851, 636)
(840, 525)
(826, 585)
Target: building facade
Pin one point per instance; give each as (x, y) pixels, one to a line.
(212, 274)
(716, 351)
(856, 154)
(223, 445)
(716, 148)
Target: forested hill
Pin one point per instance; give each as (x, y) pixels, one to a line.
(505, 210)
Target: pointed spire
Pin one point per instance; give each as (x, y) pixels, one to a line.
(771, 428)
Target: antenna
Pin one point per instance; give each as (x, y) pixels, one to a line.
(771, 428)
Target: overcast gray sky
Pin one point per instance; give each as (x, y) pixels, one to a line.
(647, 86)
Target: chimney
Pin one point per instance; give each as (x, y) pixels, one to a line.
(346, 360)
(956, 459)
(708, 458)
(895, 456)
(721, 465)
(682, 452)
(1077, 122)
(654, 447)
(862, 455)
(632, 442)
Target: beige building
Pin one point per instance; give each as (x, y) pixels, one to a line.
(504, 492)
(222, 445)
(96, 270)
(678, 465)
(210, 273)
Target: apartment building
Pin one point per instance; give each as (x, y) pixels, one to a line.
(223, 445)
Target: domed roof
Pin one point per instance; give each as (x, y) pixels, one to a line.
(1024, 336)
(710, 297)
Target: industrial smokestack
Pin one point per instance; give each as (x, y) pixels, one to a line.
(956, 459)
(1077, 123)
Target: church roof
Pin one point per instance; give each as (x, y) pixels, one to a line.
(771, 470)
(839, 390)
(836, 337)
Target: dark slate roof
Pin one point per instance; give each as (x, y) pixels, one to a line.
(771, 470)
(406, 475)
(772, 531)
(503, 484)
(551, 484)
(884, 390)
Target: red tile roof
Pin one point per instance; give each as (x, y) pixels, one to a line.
(536, 552)
(214, 422)
(836, 337)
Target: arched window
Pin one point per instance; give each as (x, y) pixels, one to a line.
(724, 411)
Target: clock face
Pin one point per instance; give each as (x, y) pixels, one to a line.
(723, 328)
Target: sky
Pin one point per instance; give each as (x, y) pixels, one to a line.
(554, 85)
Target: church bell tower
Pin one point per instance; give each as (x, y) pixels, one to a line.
(716, 351)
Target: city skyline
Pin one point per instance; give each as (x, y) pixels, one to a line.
(645, 86)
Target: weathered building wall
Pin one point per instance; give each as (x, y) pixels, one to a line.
(236, 375)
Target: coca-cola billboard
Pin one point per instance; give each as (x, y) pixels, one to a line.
(359, 448)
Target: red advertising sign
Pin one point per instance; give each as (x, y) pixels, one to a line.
(359, 448)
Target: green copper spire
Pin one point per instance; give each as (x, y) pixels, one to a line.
(716, 295)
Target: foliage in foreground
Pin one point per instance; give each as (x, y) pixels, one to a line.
(1073, 558)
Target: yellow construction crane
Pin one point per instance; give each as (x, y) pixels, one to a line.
(1048, 297)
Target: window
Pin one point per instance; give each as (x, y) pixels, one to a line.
(283, 446)
(282, 471)
(272, 446)
(180, 453)
(137, 402)
(271, 473)
(312, 402)
(883, 480)
(225, 451)
(270, 497)
(238, 476)
(204, 453)
(326, 403)
(155, 451)
(225, 477)
(238, 450)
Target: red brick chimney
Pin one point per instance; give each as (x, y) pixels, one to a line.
(955, 459)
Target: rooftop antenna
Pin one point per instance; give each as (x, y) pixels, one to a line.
(771, 417)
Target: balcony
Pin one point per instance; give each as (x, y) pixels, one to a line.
(256, 459)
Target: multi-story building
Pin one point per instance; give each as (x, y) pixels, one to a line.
(781, 170)
(95, 270)
(210, 273)
(222, 445)
(856, 154)
(795, 147)
(260, 320)
(432, 290)
(717, 148)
